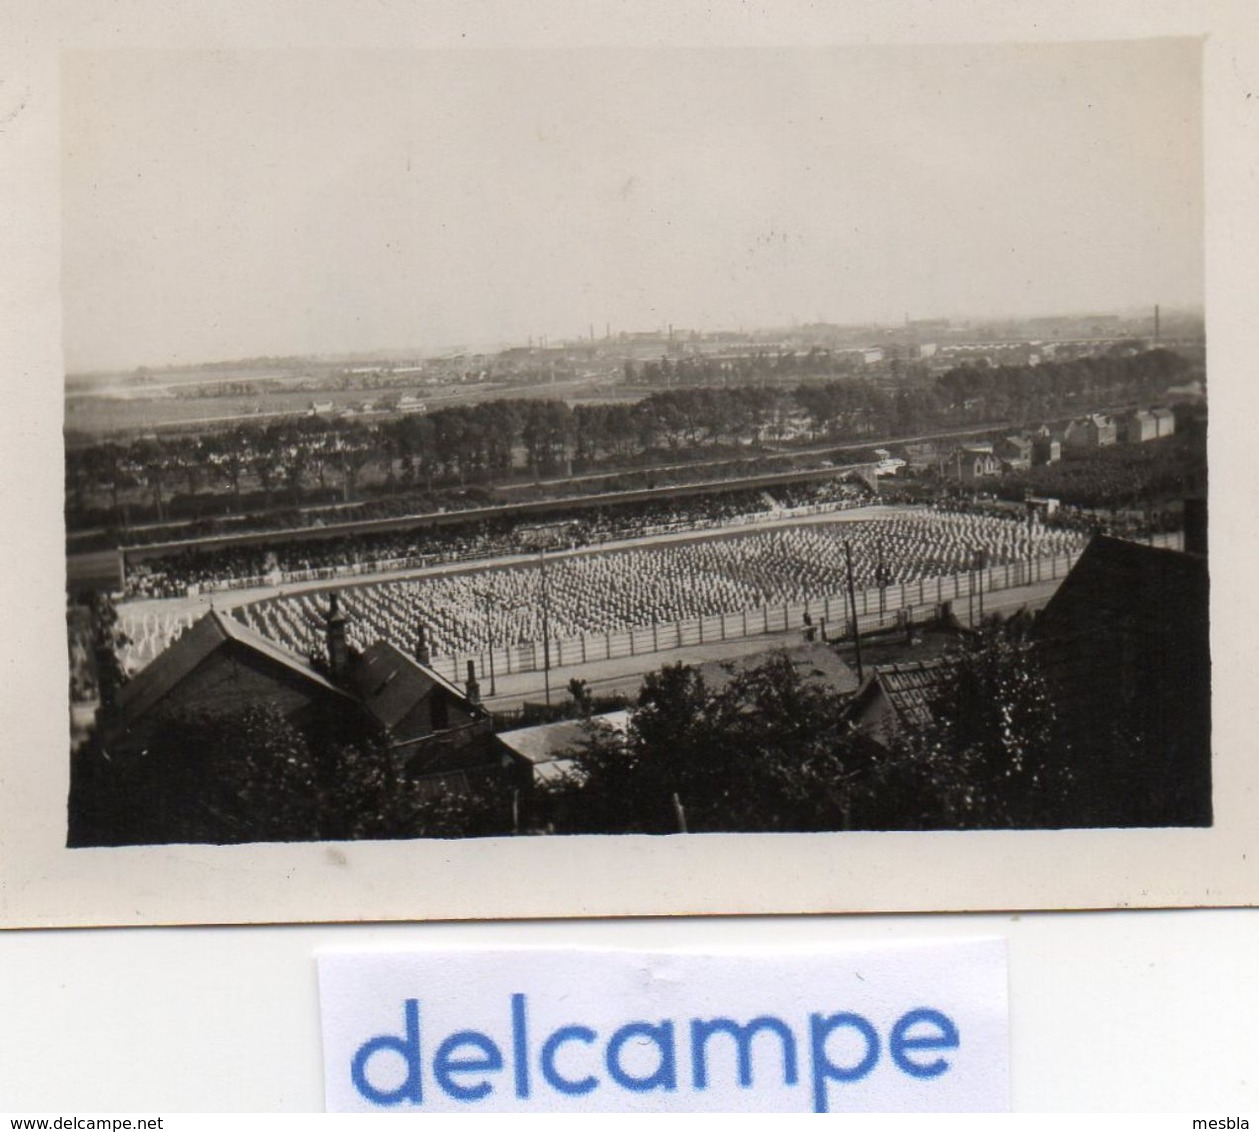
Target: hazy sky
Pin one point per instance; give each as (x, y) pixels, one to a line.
(232, 204)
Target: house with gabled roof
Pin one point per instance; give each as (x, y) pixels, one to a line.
(545, 753)
(1094, 431)
(221, 667)
(430, 724)
(976, 461)
(1014, 452)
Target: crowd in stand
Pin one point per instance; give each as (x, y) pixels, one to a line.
(193, 570)
(328, 558)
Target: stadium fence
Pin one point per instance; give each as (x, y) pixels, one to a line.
(829, 614)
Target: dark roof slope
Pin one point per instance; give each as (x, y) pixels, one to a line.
(390, 683)
(911, 688)
(551, 745)
(812, 661)
(1121, 584)
(212, 632)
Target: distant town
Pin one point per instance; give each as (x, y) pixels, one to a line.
(613, 366)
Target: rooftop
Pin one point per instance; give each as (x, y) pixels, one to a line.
(813, 661)
(213, 631)
(549, 746)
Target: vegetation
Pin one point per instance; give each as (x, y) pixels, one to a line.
(254, 776)
(307, 461)
(773, 751)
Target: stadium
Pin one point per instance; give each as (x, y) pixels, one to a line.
(665, 573)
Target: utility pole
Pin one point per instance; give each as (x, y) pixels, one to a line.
(489, 637)
(970, 591)
(546, 628)
(1031, 541)
(981, 564)
(881, 578)
(852, 605)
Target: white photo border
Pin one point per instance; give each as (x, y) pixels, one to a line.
(43, 884)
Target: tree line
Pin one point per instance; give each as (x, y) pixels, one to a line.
(308, 460)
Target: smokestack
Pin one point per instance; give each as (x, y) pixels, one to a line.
(338, 648)
(472, 688)
(1156, 323)
(422, 653)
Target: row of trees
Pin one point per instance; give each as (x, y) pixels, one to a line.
(301, 461)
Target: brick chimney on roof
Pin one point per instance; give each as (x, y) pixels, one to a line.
(472, 688)
(334, 632)
(422, 653)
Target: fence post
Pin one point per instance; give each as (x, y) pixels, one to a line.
(583, 648)
(655, 637)
(723, 624)
(607, 644)
(700, 620)
(745, 622)
(765, 612)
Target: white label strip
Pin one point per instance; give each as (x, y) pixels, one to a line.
(912, 1028)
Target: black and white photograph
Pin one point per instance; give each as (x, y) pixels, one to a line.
(606, 448)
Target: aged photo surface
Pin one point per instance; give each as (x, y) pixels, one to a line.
(510, 443)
